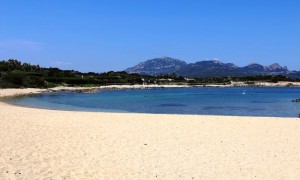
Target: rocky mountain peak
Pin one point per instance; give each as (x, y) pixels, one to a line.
(207, 68)
(275, 67)
(157, 66)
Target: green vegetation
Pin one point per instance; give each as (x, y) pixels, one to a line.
(14, 74)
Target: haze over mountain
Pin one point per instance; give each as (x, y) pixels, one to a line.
(208, 68)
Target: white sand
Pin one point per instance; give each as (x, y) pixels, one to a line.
(19, 92)
(48, 144)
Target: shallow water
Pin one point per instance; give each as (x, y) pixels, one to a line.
(274, 102)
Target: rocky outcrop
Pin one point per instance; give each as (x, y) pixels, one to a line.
(296, 100)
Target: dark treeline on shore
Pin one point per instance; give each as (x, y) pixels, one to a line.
(14, 74)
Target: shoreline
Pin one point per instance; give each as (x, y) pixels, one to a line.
(55, 144)
(28, 91)
(40, 143)
(6, 94)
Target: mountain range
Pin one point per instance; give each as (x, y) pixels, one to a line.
(208, 68)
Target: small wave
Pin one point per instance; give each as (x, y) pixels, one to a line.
(223, 107)
(173, 105)
(262, 102)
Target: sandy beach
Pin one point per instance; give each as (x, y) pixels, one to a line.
(51, 144)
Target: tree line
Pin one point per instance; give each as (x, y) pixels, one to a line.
(15, 74)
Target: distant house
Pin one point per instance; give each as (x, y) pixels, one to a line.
(165, 80)
(190, 80)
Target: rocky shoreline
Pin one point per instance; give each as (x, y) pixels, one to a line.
(26, 91)
(155, 86)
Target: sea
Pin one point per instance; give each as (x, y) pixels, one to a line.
(234, 101)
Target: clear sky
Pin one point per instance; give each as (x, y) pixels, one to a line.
(103, 35)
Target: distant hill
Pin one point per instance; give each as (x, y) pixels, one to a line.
(15, 74)
(157, 66)
(210, 68)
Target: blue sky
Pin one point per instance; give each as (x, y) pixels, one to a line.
(103, 35)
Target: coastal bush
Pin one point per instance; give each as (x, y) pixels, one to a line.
(19, 79)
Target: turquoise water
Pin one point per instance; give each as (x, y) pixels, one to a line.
(274, 102)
